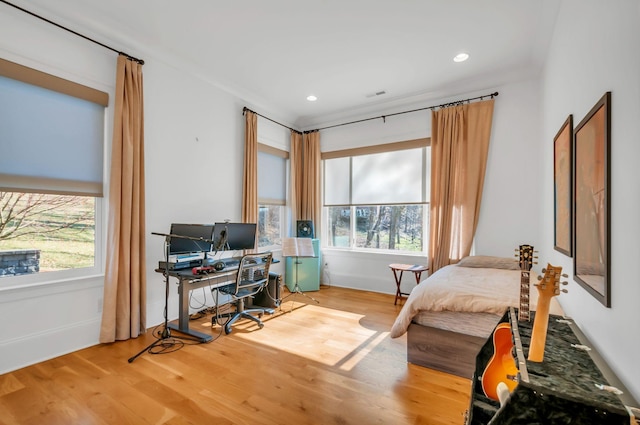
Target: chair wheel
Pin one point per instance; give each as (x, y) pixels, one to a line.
(227, 330)
(261, 325)
(260, 314)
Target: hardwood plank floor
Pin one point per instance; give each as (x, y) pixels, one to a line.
(326, 363)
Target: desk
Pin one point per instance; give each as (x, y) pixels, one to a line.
(417, 271)
(187, 281)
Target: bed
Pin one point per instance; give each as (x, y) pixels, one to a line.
(451, 314)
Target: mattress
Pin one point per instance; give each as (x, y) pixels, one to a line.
(475, 324)
(455, 288)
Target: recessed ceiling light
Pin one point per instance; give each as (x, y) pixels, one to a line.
(311, 98)
(461, 57)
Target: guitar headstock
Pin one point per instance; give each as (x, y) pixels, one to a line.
(527, 258)
(549, 284)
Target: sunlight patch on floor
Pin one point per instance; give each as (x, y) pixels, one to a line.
(359, 354)
(311, 332)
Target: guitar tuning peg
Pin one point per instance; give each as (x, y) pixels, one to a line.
(566, 291)
(535, 262)
(565, 282)
(544, 270)
(564, 275)
(539, 277)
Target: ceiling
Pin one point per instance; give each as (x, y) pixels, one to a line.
(273, 54)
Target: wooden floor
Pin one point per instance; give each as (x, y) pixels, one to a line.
(326, 363)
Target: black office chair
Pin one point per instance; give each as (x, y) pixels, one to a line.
(252, 277)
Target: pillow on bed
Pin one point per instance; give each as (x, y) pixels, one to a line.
(489, 262)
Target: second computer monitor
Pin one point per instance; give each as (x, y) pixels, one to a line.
(234, 236)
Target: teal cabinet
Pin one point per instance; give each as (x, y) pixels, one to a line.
(306, 269)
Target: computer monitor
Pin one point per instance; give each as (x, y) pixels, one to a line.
(184, 246)
(234, 236)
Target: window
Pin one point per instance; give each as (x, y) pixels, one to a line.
(377, 198)
(42, 233)
(51, 168)
(270, 222)
(272, 184)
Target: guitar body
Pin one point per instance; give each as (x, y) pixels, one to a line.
(502, 366)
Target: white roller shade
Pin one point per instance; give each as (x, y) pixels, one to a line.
(397, 177)
(272, 178)
(337, 181)
(49, 142)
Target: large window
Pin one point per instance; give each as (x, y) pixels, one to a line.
(272, 187)
(51, 170)
(377, 198)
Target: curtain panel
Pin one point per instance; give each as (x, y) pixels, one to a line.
(250, 176)
(459, 149)
(124, 306)
(295, 159)
(306, 197)
(310, 205)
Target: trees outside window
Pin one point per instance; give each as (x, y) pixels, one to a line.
(378, 201)
(60, 227)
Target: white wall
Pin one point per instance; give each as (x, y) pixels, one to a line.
(595, 49)
(194, 160)
(193, 147)
(509, 213)
(194, 142)
(43, 321)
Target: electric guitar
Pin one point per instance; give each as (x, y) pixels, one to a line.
(548, 287)
(502, 365)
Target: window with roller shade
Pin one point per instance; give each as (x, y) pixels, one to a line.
(376, 198)
(272, 196)
(51, 174)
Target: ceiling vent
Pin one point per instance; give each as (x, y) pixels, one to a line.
(378, 93)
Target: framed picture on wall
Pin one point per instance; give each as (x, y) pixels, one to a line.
(563, 187)
(591, 201)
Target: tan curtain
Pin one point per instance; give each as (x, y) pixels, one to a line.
(305, 171)
(295, 158)
(250, 177)
(310, 204)
(124, 306)
(459, 148)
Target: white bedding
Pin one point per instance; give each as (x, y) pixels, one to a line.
(468, 289)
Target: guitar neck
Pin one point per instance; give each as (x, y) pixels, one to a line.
(526, 259)
(523, 311)
(539, 333)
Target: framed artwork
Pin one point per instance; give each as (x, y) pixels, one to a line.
(591, 201)
(562, 187)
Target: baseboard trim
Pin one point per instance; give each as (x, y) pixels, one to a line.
(27, 350)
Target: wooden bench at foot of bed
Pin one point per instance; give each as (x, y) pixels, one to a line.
(449, 341)
(442, 350)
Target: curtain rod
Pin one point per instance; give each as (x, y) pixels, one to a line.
(245, 109)
(383, 117)
(140, 61)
